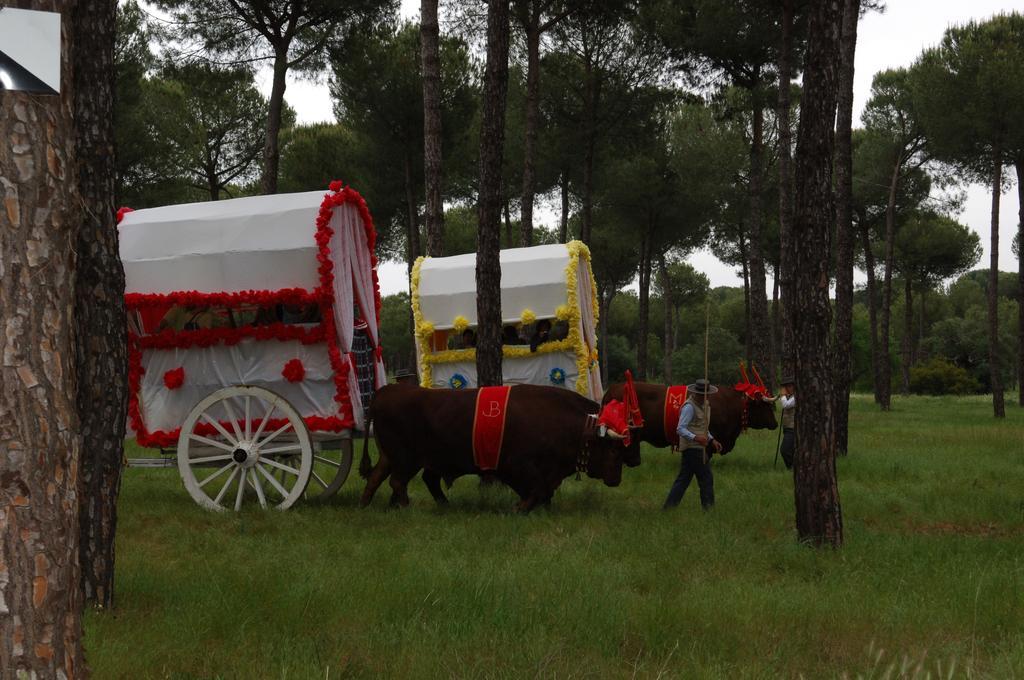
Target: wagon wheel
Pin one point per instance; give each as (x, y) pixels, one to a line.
(250, 456)
(330, 470)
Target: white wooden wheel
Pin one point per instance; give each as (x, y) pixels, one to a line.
(331, 467)
(243, 451)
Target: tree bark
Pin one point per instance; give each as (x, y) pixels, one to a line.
(412, 231)
(492, 143)
(872, 292)
(994, 359)
(563, 225)
(885, 363)
(1020, 282)
(908, 331)
(844, 226)
(432, 169)
(776, 331)
(605, 300)
(760, 328)
(785, 273)
(746, 295)
(666, 298)
(100, 342)
(271, 150)
(818, 513)
(643, 311)
(532, 124)
(590, 126)
(40, 588)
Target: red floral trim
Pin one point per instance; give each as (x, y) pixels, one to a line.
(166, 439)
(174, 378)
(293, 371)
(207, 337)
(327, 331)
(263, 298)
(121, 212)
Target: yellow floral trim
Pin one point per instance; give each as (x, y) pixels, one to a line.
(577, 250)
(425, 329)
(562, 313)
(460, 324)
(527, 317)
(448, 356)
(426, 376)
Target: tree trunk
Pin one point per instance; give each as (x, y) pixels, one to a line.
(915, 349)
(643, 315)
(666, 298)
(100, 342)
(785, 273)
(872, 291)
(432, 171)
(412, 224)
(488, 244)
(590, 96)
(746, 296)
(994, 359)
(563, 225)
(40, 588)
(1020, 282)
(844, 227)
(605, 300)
(532, 124)
(271, 150)
(776, 331)
(818, 513)
(759, 341)
(509, 235)
(885, 363)
(908, 331)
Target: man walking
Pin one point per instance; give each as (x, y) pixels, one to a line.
(694, 437)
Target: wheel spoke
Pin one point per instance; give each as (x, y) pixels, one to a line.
(223, 490)
(232, 417)
(255, 481)
(241, 491)
(319, 481)
(273, 482)
(248, 423)
(280, 449)
(273, 463)
(266, 419)
(211, 442)
(209, 459)
(220, 428)
(216, 474)
(283, 428)
(328, 461)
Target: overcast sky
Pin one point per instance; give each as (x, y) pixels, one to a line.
(894, 38)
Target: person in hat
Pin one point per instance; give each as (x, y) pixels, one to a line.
(788, 400)
(694, 438)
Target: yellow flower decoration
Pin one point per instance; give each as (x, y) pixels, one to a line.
(424, 329)
(460, 324)
(527, 317)
(562, 313)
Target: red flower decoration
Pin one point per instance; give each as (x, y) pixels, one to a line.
(294, 371)
(121, 212)
(174, 378)
(335, 185)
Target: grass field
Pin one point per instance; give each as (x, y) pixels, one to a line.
(604, 584)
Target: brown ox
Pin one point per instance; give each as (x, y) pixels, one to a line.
(728, 406)
(547, 438)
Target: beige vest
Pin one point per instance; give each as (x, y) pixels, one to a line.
(789, 417)
(701, 419)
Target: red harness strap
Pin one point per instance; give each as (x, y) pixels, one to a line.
(675, 397)
(489, 425)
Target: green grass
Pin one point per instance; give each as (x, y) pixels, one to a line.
(603, 584)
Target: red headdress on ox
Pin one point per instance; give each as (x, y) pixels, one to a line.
(613, 421)
(634, 417)
(752, 391)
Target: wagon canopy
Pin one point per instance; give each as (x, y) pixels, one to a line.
(254, 243)
(553, 282)
(250, 260)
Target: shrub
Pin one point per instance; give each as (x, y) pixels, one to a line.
(939, 375)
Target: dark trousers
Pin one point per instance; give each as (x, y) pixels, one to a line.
(693, 465)
(788, 446)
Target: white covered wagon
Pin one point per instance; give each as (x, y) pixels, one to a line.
(549, 286)
(253, 340)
